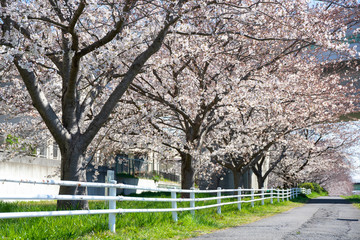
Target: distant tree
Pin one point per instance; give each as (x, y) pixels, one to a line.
(205, 81)
(321, 158)
(268, 126)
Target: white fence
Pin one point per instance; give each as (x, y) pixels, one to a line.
(241, 196)
(305, 191)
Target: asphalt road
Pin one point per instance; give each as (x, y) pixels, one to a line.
(323, 218)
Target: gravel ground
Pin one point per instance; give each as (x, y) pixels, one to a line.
(321, 218)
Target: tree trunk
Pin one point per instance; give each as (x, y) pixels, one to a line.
(257, 170)
(237, 176)
(260, 181)
(72, 169)
(187, 172)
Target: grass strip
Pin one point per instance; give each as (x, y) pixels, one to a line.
(316, 194)
(134, 225)
(354, 199)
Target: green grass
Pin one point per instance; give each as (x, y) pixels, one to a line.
(66, 227)
(316, 194)
(133, 225)
(354, 199)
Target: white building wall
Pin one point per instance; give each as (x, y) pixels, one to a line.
(32, 168)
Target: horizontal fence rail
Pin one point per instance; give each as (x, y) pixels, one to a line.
(241, 196)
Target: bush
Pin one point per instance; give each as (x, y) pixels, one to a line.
(156, 178)
(315, 187)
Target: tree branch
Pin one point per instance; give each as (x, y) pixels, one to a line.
(111, 34)
(130, 75)
(48, 20)
(57, 10)
(141, 91)
(40, 102)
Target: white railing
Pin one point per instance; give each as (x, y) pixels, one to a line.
(305, 191)
(241, 196)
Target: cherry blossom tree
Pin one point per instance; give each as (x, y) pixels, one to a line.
(72, 61)
(309, 105)
(69, 63)
(332, 171)
(262, 168)
(313, 147)
(321, 159)
(208, 80)
(287, 105)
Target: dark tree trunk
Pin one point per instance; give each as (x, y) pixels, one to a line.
(187, 172)
(258, 171)
(237, 176)
(260, 181)
(72, 169)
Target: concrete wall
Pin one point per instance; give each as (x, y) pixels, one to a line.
(247, 180)
(32, 168)
(148, 183)
(25, 167)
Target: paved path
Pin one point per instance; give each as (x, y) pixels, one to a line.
(323, 218)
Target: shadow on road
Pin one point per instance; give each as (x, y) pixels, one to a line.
(328, 201)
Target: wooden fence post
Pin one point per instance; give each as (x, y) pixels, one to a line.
(219, 200)
(174, 206)
(252, 197)
(271, 195)
(192, 203)
(112, 205)
(239, 198)
(287, 194)
(110, 175)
